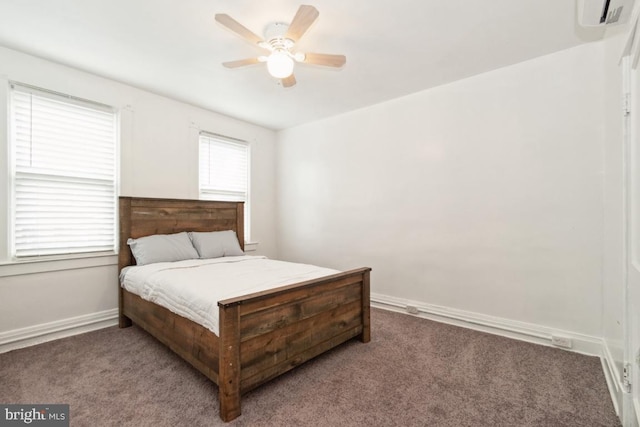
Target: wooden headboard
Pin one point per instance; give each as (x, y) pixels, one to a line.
(141, 216)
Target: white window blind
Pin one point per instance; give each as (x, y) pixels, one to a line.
(64, 174)
(224, 171)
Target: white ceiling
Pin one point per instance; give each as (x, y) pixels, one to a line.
(393, 47)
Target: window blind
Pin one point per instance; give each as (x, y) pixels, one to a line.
(224, 171)
(64, 174)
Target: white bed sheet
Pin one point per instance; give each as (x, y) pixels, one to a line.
(192, 288)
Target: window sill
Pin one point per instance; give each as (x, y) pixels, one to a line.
(45, 265)
(251, 246)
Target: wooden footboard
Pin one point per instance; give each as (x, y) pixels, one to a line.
(266, 334)
(262, 335)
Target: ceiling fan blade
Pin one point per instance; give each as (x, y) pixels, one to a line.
(289, 81)
(325, 59)
(238, 28)
(305, 16)
(241, 62)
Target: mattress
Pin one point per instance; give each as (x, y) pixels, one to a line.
(192, 288)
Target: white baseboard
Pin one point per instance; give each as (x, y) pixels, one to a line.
(25, 337)
(585, 344)
(613, 376)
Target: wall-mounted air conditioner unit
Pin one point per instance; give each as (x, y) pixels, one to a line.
(595, 13)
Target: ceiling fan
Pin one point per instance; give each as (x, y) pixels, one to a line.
(280, 40)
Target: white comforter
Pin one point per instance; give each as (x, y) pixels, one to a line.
(192, 288)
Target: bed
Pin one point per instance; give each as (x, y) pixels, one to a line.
(261, 335)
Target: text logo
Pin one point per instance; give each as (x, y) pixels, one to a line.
(34, 415)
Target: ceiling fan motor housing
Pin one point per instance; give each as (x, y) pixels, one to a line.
(275, 30)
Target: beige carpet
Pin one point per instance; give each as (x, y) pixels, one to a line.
(414, 372)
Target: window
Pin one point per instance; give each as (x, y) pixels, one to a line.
(63, 159)
(224, 171)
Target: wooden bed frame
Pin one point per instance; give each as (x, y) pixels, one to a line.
(262, 335)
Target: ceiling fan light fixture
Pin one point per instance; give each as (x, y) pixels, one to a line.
(280, 64)
(280, 41)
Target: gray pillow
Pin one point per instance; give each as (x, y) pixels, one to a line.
(216, 244)
(162, 248)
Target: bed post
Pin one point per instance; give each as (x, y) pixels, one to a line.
(124, 254)
(365, 336)
(240, 224)
(229, 368)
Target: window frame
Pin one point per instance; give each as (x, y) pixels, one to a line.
(247, 201)
(49, 262)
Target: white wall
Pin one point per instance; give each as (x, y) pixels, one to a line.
(159, 152)
(484, 195)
